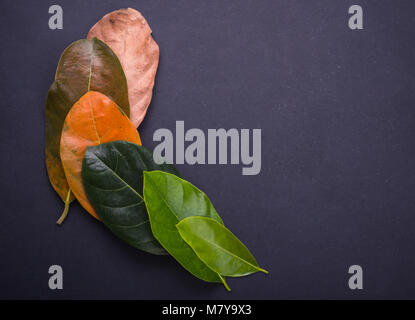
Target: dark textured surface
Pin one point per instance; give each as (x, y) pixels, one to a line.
(337, 112)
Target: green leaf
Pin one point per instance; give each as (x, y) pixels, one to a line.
(85, 65)
(169, 200)
(112, 175)
(217, 247)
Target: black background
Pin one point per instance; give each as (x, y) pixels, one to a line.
(336, 109)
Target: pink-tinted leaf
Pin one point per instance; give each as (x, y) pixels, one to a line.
(128, 34)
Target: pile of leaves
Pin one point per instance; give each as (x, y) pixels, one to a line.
(102, 89)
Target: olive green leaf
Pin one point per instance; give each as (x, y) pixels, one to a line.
(169, 200)
(85, 65)
(112, 175)
(217, 247)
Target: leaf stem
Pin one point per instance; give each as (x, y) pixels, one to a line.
(263, 270)
(224, 282)
(65, 211)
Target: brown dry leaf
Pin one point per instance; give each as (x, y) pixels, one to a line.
(128, 34)
(84, 65)
(93, 120)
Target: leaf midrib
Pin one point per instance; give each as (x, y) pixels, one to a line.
(128, 226)
(122, 180)
(162, 198)
(90, 68)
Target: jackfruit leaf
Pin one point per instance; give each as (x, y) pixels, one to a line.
(112, 175)
(217, 247)
(93, 120)
(169, 199)
(128, 34)
(84, 65)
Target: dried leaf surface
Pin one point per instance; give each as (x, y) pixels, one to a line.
(128, 34)
(84, 65)
(93, 120)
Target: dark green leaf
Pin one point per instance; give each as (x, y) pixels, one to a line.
(217, 247)
(170, 199)
(86, 65)
(112, 175)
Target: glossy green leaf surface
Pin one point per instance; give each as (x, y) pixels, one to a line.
(85, 65)
(217, 247)
(112, 175)
(169, 199)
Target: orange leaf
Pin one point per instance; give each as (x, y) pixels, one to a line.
(93, 120)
